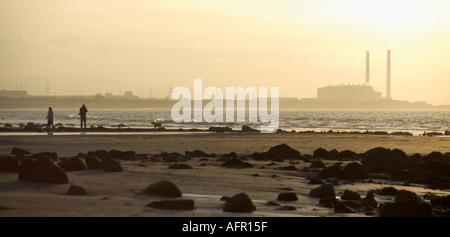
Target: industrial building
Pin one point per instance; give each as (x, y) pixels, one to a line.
(356, 93)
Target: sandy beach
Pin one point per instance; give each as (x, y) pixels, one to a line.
(119, 194)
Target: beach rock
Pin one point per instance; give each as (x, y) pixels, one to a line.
(322, 191)
(347, 154)
(350, 195)
(102, 154)
(406, 195)
(197, 153)
(239, 203)
(332, 171)
(443, 202)
(285, 151)
(321, 153)
(246, 128)
(74, 164)
(447, 133)
(289, 196)
(93, 162)
(236, 163)
(31, 127)
(9, 163)
(369, 200)
(341, 207)
(231, 155)
(180, 166)
(76, 190)
(290, 167)
(328, 201)
(220, 129)
(353, 171)
(111, 165)
(315, 164)
(380, 159)
(124, 155)
(42, 171)
(19, 151)
(315, 180)
(388, 191)
(43, 155)
(164, 188)
(406, 208)
(272, 203)
(438, 166)
(179, 204)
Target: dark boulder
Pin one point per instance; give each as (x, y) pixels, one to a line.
(111, 165)
(76, 190)
(180, 166)
(236, 163)
(315, 164)
(321, 153)
(315, 180)
(197, 153)
(348, 154)
(220, 129)
(443, 202)
(380, 159)
(322, 191)
(440, 167)
(74, 164)
(289, 196)
(369, 200)
(328, 201)
(102, 154)
(406, 208)
(333, 171)
(19, 151)
(353, 171)
(406, 195)
(388, 191)
(9, 163)
(124, 155)
(179, 204)
(285, 151)
(350, 195)
(42, 171)
(246, 128)
(341, 207)
(93, 162)
(164, 188)
(239, 203)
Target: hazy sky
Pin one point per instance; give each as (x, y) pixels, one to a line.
(89, 46)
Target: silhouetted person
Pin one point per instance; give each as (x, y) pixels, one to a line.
(50, 118)
(83, 111)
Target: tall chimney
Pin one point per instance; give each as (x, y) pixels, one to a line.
(388, 82)
(367, 67)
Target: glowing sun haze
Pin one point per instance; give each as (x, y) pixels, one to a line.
(88, 47)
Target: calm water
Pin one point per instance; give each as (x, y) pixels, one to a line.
(413, 121)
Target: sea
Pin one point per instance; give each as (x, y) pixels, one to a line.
(415, 122)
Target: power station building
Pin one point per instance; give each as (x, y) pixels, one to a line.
(356, 93)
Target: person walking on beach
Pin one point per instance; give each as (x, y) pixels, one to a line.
(50, 118)
(83, 111)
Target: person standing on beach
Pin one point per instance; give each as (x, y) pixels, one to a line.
(50, 118)
(83, 111)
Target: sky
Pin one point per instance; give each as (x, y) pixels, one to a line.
(149, 46)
